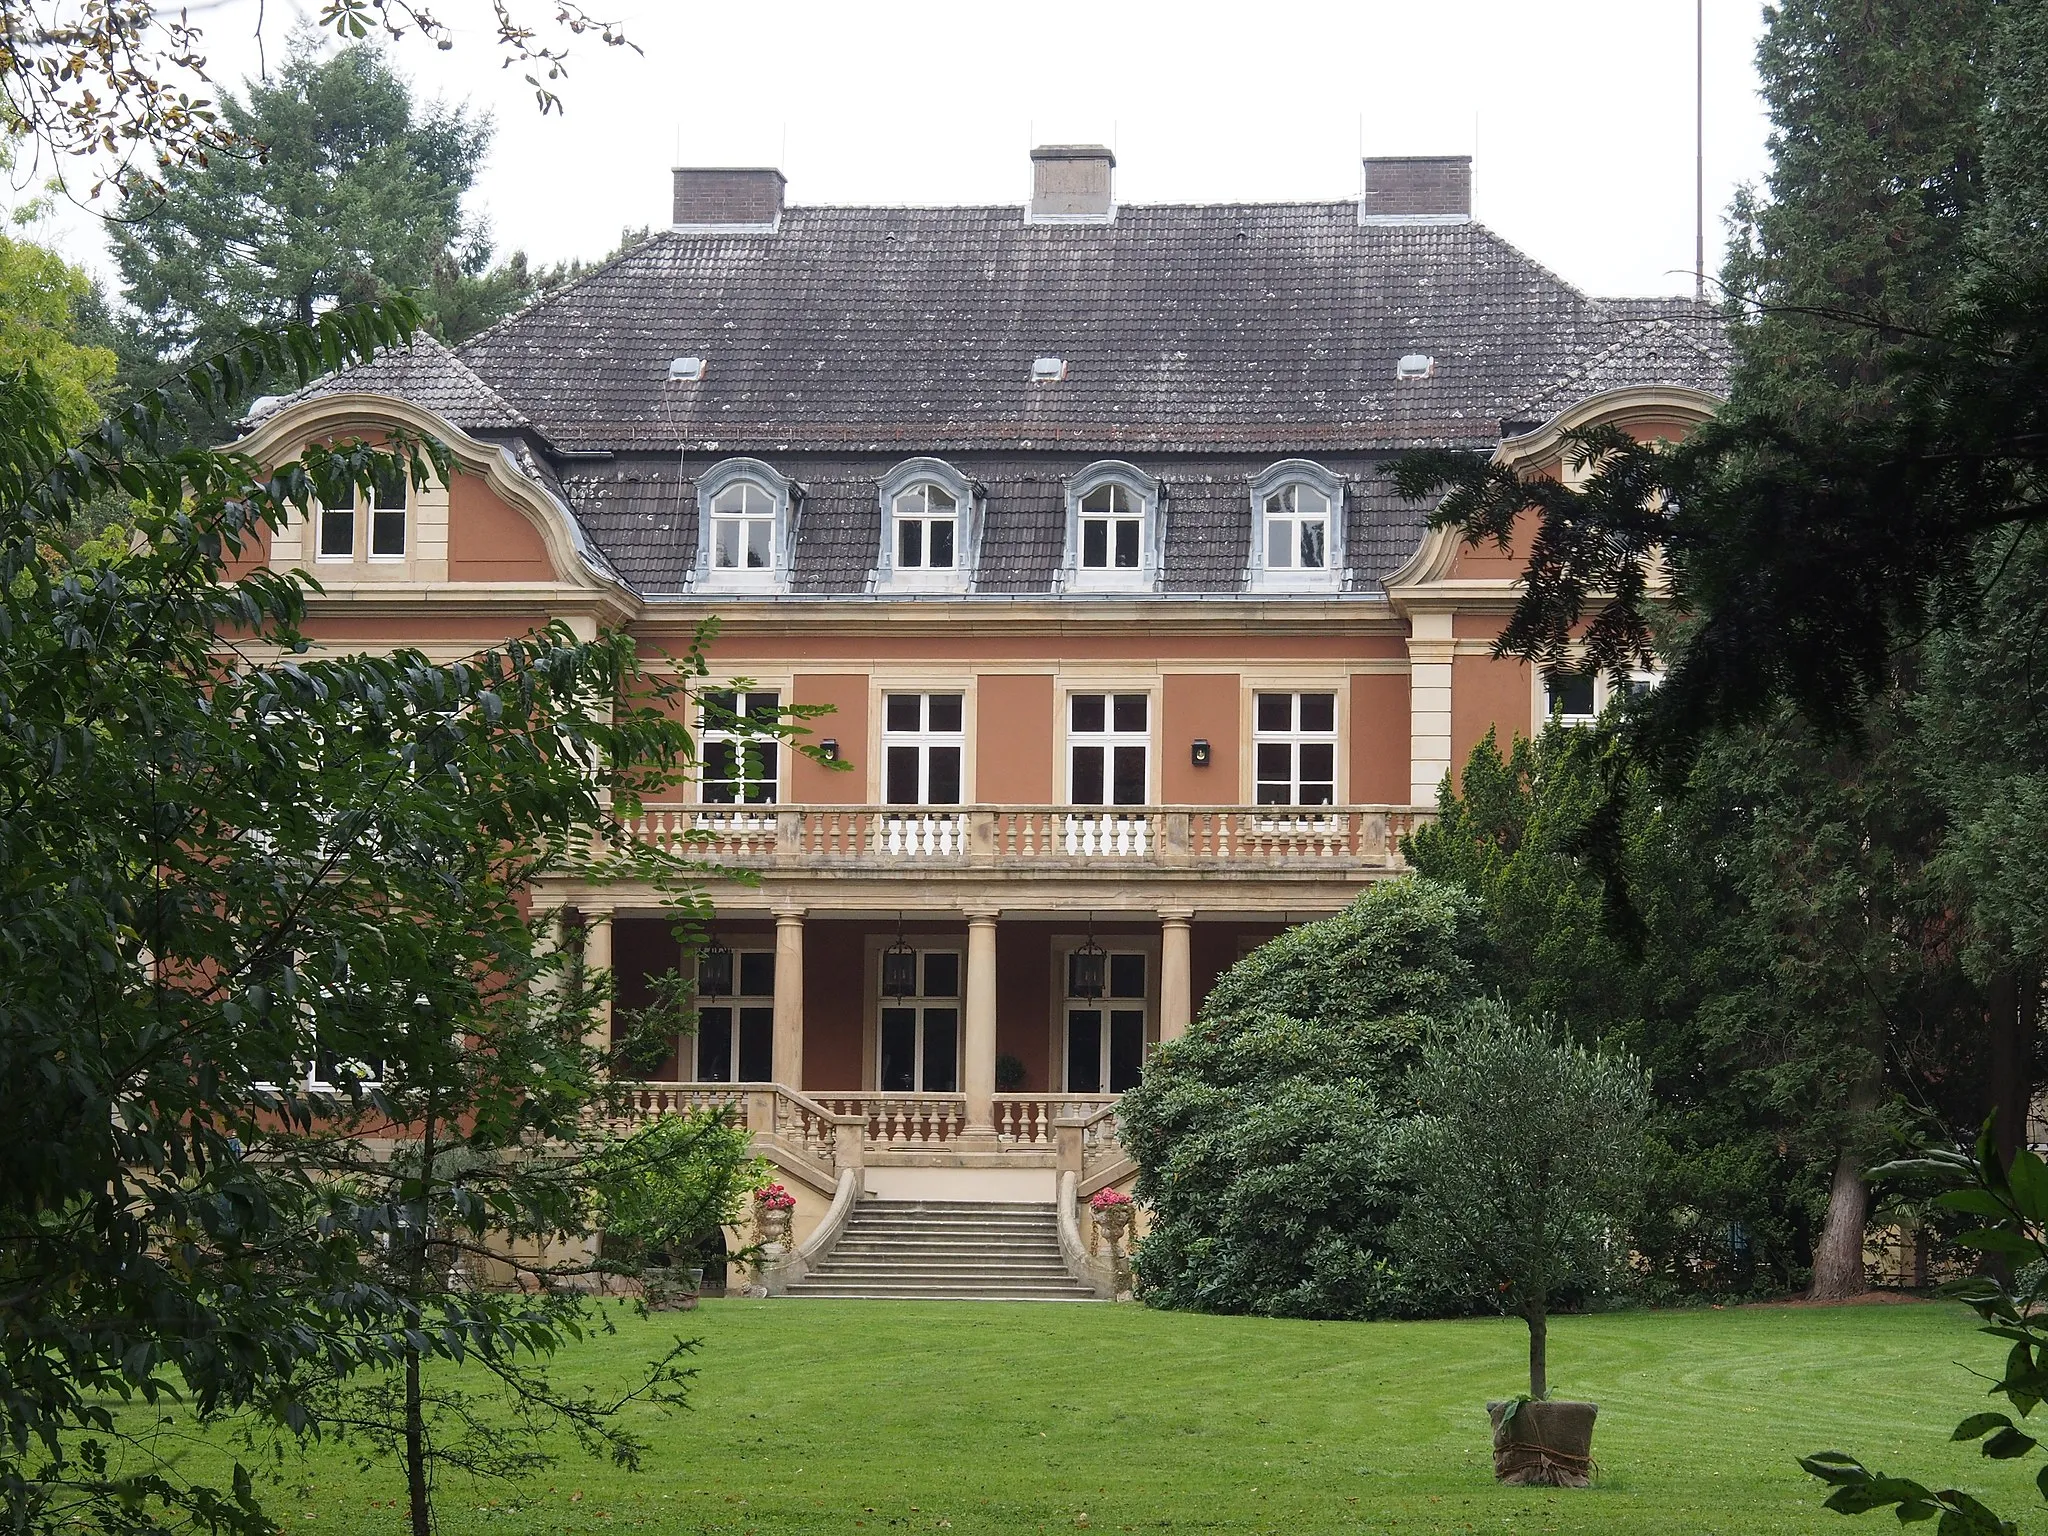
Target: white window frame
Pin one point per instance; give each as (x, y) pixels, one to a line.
(780, 494)
(922, 741)
(734, 1000)
(906, 480)
(921, 1005)
(1294, 738)
(1286, 480)
(1604, 694)
(1144, 492)
(1065, 1003)
(1107, 740)
(708, 736)
(320, 516)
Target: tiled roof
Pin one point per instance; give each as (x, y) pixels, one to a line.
(644, 517)
(1687, 346)
(425, 373)
(1271, 329)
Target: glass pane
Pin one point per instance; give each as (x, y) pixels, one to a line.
(1279, 504)
(1313, 540)
(1319, 712)
(720, 770)
(387, 533)
(940, 500)
(1130, 711)
(1274, 760)
(725, 542)
(757, 1045)
(762, 774)
(943, 787)
(900, 785)
(1126, 545)
(388, 486)
(1084, 1050)
(720, 705)
(1571, 692)
(1094, 543)
(1126, 1049)
(759, 536)
(941, 1050)
(1102, 499)
(1089, 711)
(910, 503)
(1275, 711)
(337, 533)
(904, 711)
(1279, 546)
(760, 705)
(910, 543)
(1126, 975)
(943, 712)
(1318, 794)
(732, 499)
(714, 1045)
(1318, 762)
(1275, 792)
(942, 974)
(1087, 775)
(1130, 775)
(942, 545)
(899, 1050)
(757, 973)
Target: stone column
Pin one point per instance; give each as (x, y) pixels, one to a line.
(789, 997)
(597, 965)
(978, 1049)
(1176, 974)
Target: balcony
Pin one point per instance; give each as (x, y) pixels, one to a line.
(881, 839)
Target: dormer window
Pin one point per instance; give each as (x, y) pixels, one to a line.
(929, 526)
(1297, 528)
(382, 508)
(743, 515)
(1113, 534)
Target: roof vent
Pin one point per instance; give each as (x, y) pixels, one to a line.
(1415, 365)
(721, 200)
(685, 370)
(1070, 184)
(1048, 370)
(1416, 189)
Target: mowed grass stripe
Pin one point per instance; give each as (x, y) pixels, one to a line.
(841, 1416)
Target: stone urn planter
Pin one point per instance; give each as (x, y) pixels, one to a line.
(667, 1289)
(1549, 1443)
(1113, 1214)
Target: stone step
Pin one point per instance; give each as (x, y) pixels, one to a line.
(885, 1267)
(954, 1250)
(962, 1253)
(904, 1229)
(979, 1291)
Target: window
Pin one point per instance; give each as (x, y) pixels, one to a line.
(735, 1040)
(741, 766)
(1109, 743)
(1112, 529)
(923, 742)
(1579, 698)
(743, 528)
(387, 500)
(1106, 1035)
(927, 519)
(1297, 529)
(338, 533)
(919, 1037)
(1294, 748)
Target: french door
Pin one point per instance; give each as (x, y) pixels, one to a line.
(920, 1035)
(1105, 1036)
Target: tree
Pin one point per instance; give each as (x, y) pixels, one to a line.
(1523, 1165)
(41, 297)
(1261, 1136)
(254, 906)
(355, 194)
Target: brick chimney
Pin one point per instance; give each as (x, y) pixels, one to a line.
(1070, 184)
(712, 200)
(1416, 189)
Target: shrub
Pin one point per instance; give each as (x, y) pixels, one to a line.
(1262, 1137)
(665, 1186)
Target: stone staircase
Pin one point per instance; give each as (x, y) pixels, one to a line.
(944, 1250)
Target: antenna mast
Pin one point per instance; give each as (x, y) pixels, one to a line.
(1699, 164)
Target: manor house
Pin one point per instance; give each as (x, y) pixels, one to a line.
(1074, 514)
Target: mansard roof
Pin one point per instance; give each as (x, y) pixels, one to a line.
(425, 373)
(1246, 328)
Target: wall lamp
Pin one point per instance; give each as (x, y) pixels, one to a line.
(829, 749)
(1200, 752)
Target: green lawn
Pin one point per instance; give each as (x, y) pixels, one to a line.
(842, 1416)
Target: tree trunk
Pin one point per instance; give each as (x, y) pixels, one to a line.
(1539, 1353)
(1838, 1256)
(2011, 1006)
(416, 1448)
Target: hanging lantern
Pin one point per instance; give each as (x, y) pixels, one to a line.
(1086, 967)
(714, 970)
(899, 967)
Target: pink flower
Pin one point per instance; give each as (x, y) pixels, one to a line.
(773, 1197)
(1108, 1200)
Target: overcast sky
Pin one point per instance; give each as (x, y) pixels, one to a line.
(1579, 112)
